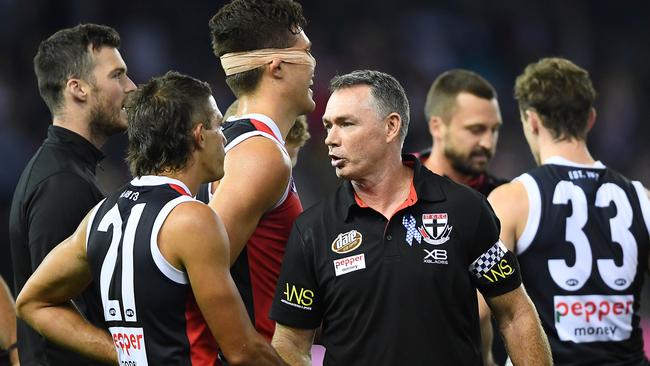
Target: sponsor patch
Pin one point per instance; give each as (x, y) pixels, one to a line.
(298, 297)
(349, 264)
(435, 228)
(347, 242)
(593, 318)
(435, 256)
(129, 343)
(487, 261)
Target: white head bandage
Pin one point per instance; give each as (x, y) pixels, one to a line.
(236, 62)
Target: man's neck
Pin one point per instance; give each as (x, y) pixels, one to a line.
(440, 165)
(386, 191)
(572, 150)
(191, 180)
(80, 127)
(279, 112)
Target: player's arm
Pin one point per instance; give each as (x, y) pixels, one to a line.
(487, 333)
(519, 323)
(293, 344)
(8, 323)
(194, 239)
(44, 302)
(256, 176)
(510, 203)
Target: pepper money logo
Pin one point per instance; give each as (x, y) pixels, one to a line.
(347, 242)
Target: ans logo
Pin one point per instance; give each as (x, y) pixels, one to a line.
(298, 297)
(499, 271)
(347, 242)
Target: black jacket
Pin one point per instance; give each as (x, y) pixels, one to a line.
(56, 190)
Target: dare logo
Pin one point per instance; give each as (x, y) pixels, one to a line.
(347, 242)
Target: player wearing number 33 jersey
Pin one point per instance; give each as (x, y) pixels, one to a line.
(583, 254)
(579, 229)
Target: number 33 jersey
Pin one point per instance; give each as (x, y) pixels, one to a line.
(148, 304)
(583, 255)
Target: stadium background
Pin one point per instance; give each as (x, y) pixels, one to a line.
(412, 40)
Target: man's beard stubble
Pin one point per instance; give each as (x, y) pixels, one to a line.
(103, 123)
(463, 165)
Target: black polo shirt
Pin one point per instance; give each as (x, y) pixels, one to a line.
(56, 190)
(399, 291)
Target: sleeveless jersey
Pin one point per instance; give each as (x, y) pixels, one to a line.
(257, 268)
(148, 304)
(583, 255)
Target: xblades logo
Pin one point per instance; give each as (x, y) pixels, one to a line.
(435, 256)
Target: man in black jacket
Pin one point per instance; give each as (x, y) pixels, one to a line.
(82, 79)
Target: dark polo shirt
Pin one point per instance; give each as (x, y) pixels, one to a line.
(398, 291)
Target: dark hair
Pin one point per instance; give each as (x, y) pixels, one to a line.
(246, 25)
(387, 92)
(161, 116)
(441, 98)
(561, 93)
(65, 55)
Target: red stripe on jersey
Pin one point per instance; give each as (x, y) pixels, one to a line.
(178, 189)
(261, 126)
(265, 250)
(203, 347)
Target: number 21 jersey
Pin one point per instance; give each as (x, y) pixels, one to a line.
(148, 304)
(583, 255)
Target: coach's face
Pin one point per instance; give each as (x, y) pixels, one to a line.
(356, 136)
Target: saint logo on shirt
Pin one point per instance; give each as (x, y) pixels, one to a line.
(435, 228)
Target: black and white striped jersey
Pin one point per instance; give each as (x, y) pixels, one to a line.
(583, 255)
(148, 305)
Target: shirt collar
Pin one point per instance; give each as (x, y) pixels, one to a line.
(158, 180)
(426, 183)
(77, 143)
(558, 160)
(264, 119)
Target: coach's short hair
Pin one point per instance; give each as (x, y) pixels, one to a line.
(66, 55)
(561, 93)
(388, 94)
(441, 98)
(161, 116)
(247, 25)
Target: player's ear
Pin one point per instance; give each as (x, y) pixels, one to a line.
(591, 119)
(533, 119)
(275, 68)
(198, 132)
(393, 124)
(436, 126)
(78, 89)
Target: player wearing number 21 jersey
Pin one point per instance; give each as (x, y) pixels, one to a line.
(579, 229)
